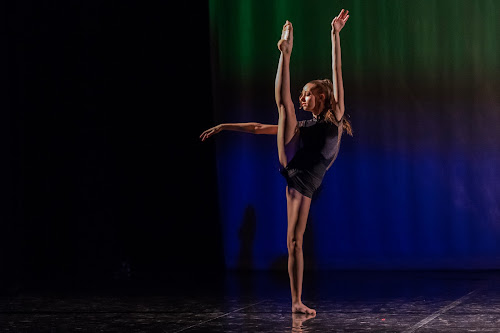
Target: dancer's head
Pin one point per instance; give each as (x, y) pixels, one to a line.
(317, 97)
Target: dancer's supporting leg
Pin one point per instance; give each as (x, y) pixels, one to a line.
(297, 210)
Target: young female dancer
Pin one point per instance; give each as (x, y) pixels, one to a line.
(306, 149)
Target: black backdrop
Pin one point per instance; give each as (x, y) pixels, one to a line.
(102, 171)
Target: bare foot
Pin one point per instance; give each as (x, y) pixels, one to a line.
(301, 308)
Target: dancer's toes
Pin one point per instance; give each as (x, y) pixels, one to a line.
(301, 308)
(310, 311)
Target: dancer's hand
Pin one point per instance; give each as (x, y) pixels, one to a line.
(340, 20)
(211, 131)
(285, 44)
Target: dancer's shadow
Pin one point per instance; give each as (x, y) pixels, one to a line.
(246, 235)
(298, 320)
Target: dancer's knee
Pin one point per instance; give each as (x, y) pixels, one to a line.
(294, 245)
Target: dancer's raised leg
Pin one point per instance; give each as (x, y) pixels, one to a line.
(288, 134)
(287, 123)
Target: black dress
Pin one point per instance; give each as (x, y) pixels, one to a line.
(318, 147)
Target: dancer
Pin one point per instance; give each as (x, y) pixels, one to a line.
(306, 149)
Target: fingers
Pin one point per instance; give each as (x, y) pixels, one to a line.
(202, 134)
(343, 15)
(340, 20)
(205, 135)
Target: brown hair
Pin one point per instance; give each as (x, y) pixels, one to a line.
(325, 87)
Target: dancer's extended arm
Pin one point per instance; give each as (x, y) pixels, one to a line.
(254, 128)
(338, 85)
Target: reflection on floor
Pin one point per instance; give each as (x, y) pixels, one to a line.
(259, 302)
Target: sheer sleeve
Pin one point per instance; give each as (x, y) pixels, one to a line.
(301, 123)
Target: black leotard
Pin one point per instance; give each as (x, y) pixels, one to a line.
(319, 146)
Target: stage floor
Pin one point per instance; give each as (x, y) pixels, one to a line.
(420, 301)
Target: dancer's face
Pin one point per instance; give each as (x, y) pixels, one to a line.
(309, 100)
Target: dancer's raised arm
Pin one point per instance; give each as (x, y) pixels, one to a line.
(338, 85)
(282, 83)
(253, 128)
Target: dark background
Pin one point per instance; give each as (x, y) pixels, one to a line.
(102, 175)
